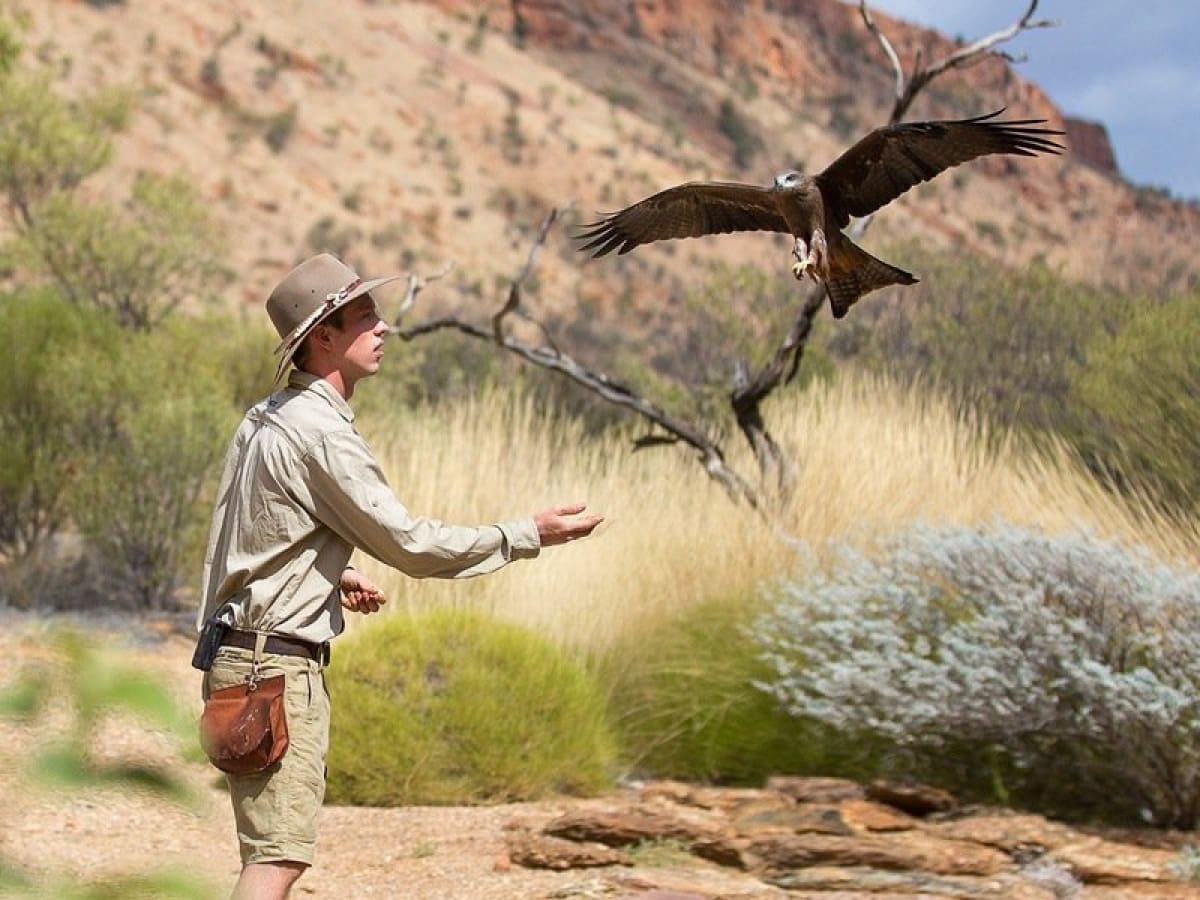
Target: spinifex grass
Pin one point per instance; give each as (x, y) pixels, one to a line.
(871, 459)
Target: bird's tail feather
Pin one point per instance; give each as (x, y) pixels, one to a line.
(859, 273)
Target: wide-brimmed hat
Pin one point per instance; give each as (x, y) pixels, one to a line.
(309, 293)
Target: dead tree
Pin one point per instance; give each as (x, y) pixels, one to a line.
(749, 389)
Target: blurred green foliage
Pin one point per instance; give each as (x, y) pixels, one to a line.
(10, 47)
(47, 145)
(91, 687)
(138, 259)
(115, 430)
(455, 707)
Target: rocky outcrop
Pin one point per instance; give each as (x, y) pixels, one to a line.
(1090, 144)
(802, 837)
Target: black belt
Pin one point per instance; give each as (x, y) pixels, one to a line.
(277, 644)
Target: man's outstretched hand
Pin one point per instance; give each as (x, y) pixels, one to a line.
(562, 524)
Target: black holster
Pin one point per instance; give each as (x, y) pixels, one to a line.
(206, 646)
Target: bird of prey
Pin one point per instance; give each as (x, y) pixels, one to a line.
(815, 209)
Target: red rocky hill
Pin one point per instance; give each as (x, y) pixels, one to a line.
(408, 134)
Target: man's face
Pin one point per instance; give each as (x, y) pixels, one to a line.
(360, 339)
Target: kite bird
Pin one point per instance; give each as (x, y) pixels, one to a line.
(814, 210)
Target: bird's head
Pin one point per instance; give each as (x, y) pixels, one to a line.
(789, 181)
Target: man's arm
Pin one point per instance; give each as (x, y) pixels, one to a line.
(350, 495)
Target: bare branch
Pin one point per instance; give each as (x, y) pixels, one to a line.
(710, 454)
(984, 44)
(416, 284)
(513, 303)
(888, 49)
(970, 54)
(748, 393)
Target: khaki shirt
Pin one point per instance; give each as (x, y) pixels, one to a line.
(299, 491)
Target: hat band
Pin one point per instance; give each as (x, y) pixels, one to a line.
(331, 300)
(337, 296)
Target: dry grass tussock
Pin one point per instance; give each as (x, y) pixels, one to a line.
(874, 458)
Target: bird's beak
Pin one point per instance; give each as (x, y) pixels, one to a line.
(779, 182)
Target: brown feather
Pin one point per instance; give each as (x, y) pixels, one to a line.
(857, 272)
(890, 160)
(687, 210)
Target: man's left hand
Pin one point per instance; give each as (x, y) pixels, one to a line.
(359, 593)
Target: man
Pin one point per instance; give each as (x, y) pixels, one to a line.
(299, 491)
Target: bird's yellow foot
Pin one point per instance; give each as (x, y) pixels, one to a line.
(800, 266)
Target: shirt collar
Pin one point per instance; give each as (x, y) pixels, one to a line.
(305, 381)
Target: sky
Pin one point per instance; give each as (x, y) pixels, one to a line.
(1130, 64)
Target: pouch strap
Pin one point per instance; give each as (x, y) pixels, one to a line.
(260, 641)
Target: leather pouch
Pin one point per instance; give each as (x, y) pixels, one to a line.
(244, 727)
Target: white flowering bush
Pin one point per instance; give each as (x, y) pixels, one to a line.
(1070, 664)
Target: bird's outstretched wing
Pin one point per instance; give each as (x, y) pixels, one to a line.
(687, 210)
(890, 160)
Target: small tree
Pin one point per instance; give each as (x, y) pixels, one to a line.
(106, 436)
(45, 394)
(137, 257)
(154, 442)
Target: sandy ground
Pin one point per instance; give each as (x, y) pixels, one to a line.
(442, 852)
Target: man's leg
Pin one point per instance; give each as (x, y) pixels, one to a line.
(267, 881)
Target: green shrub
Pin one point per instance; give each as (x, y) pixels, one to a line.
(138, 260)
(685, 705)
(279, 128)
(454, 707)
(235, 350)
(1137, 397)
(46, 391)
(1004, 341)
(46, 143)
(155, 444)
(113, 435)
(138, 256)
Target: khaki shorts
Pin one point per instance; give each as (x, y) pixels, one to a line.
(276, 809)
